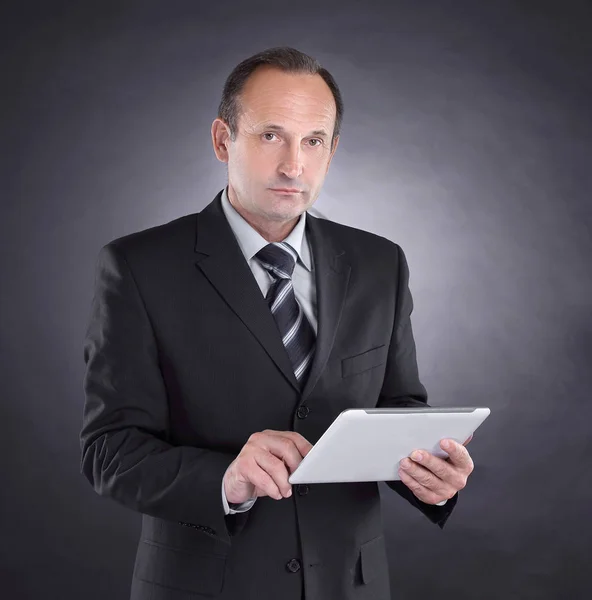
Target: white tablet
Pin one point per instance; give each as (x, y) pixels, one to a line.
(367, 444)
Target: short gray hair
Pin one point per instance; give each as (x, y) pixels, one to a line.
(284, 58)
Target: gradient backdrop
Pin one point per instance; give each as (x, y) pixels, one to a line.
(467, 139)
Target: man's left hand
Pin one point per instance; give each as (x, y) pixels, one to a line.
(433, 479)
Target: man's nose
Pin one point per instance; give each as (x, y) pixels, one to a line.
(291, 165)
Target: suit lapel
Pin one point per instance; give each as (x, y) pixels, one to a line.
(331, 278)
(220, 259)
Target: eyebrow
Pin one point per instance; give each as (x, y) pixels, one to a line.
(318, 132)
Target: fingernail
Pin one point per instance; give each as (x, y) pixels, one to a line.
(405, 463)
(447, 445)
(417, 456)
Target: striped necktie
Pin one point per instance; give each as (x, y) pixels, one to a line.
(298, 336)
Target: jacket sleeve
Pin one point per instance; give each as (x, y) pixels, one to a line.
(402, 387)
(125, 454)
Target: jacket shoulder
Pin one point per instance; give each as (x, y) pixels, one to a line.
(158, 239)
(355, 240)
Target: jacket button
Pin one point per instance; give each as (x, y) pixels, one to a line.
(303, 412)
(302, 489)
(293, 566)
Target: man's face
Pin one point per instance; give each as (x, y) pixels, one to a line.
(283, 141)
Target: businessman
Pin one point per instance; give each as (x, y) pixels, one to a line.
(221, 345)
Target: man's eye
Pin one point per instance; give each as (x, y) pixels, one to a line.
(268, 134)
(317, 140)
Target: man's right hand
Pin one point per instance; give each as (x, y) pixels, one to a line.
(261, 468)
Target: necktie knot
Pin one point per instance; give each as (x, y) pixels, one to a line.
(278, 258)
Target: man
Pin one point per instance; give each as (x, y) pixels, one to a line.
(222, 345)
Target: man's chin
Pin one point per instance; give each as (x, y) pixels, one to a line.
(283, 216)
(278, 213)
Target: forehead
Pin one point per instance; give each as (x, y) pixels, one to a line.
(291, 98)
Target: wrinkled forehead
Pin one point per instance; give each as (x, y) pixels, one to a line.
(294, 101)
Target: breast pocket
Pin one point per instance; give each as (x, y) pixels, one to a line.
(184, 570)
(362, 362)
(373, 559)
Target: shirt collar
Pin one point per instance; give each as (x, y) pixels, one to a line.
(251, 241)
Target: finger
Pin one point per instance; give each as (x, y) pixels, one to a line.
(441, 469)
(420, 491)
(257, 474)
(280, 445)
(261, 480)
(458, 455)
(303, 445)
(425, 477)
(271, 475)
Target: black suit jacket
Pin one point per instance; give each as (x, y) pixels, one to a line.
(184, 362)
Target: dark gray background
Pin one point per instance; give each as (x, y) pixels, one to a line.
(466, 139)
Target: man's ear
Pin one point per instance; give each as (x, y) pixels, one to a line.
(220, 137)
